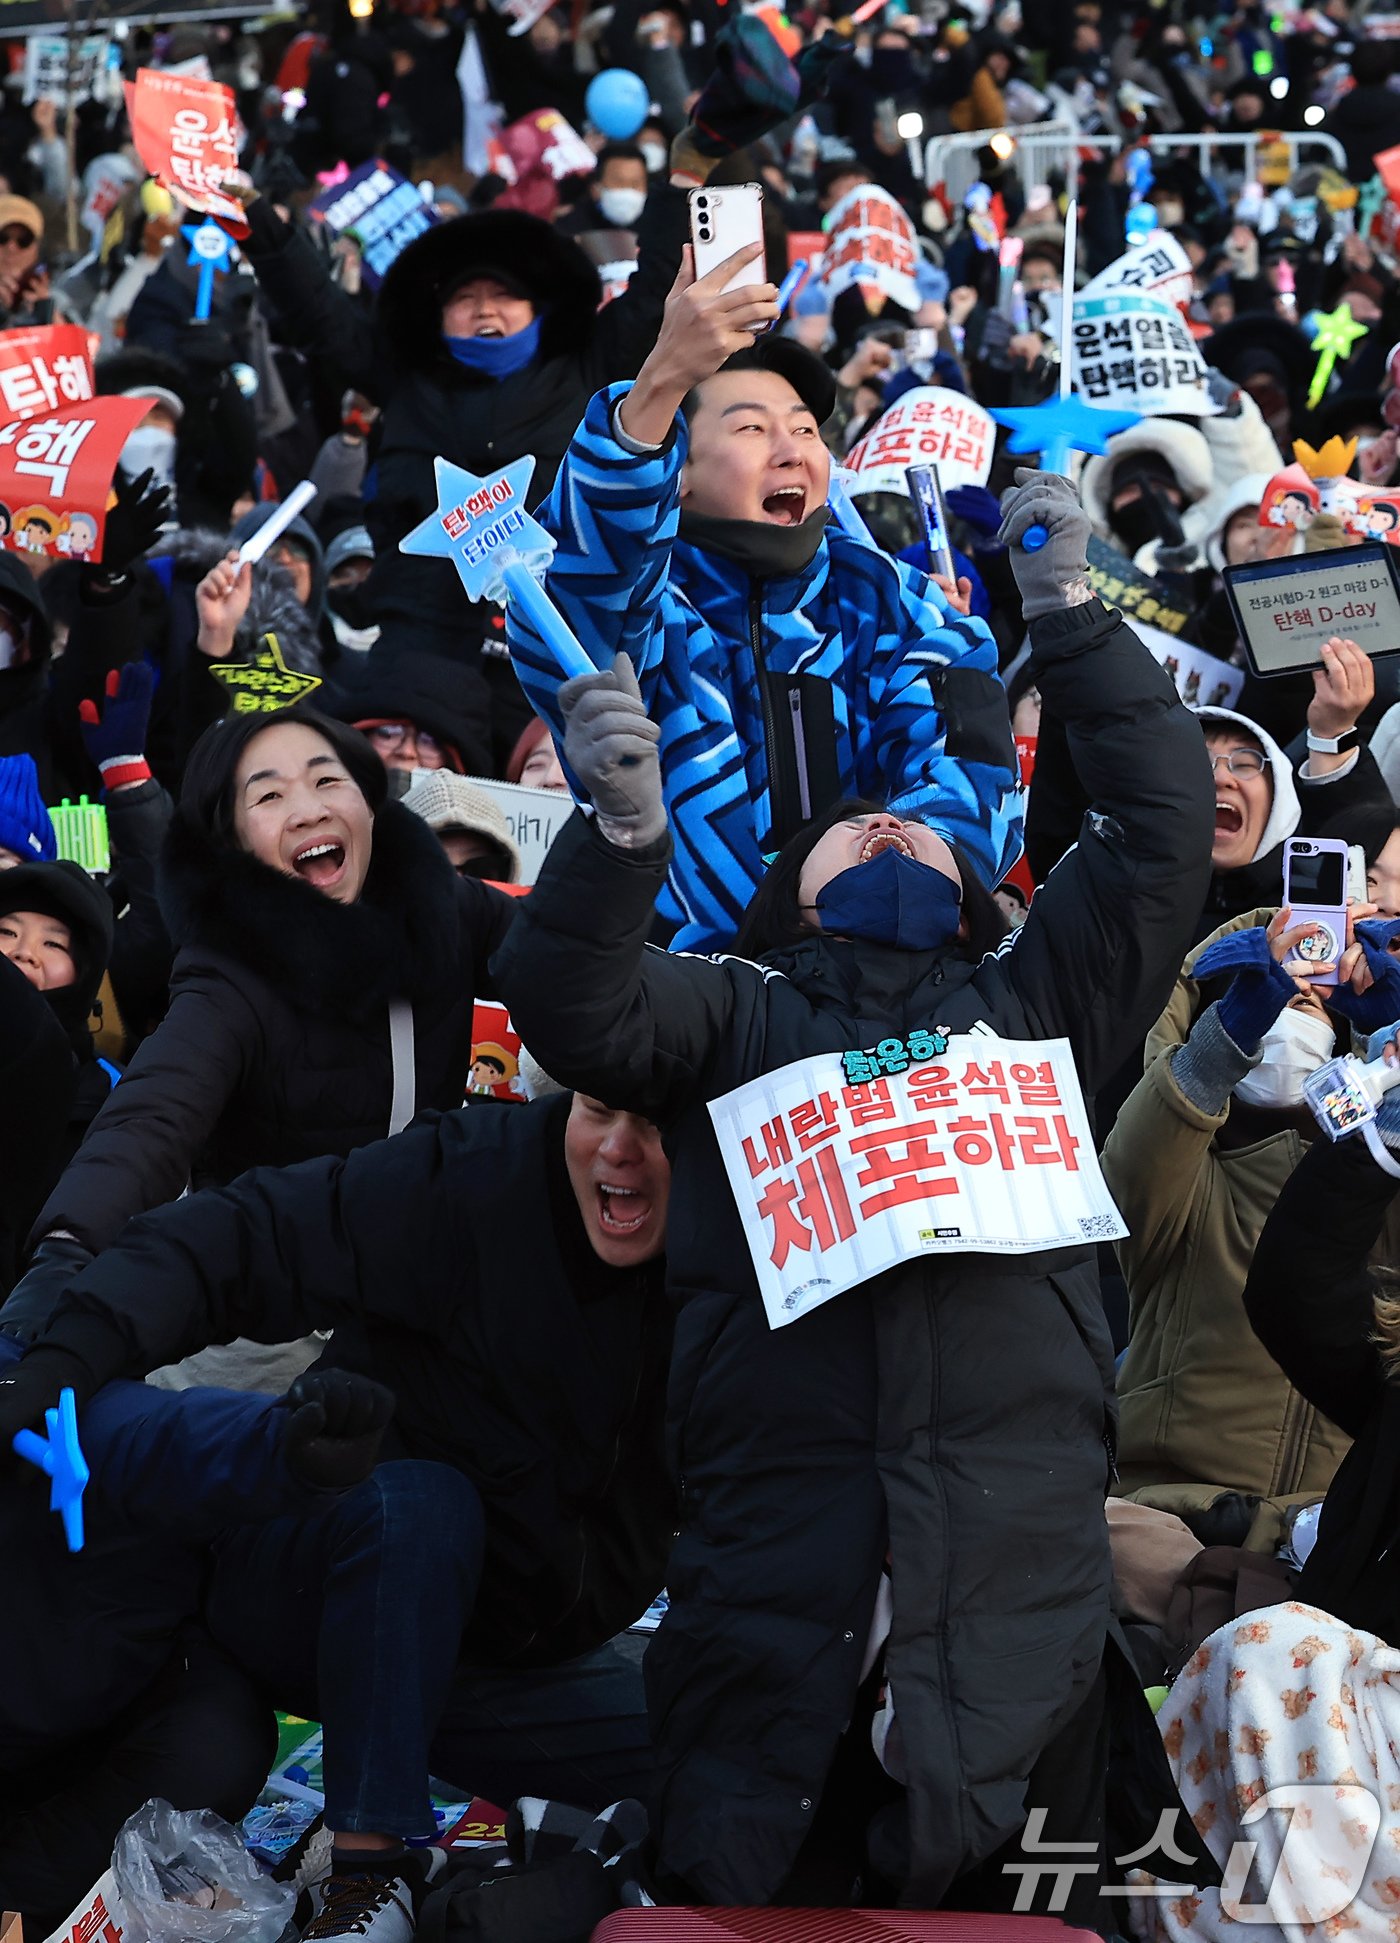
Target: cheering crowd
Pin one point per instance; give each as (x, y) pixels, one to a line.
(445, 1239)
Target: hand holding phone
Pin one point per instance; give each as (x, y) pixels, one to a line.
(723, 222)
(1315, 893)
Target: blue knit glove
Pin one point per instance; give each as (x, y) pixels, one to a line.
(116, 739)
(979, 509)
(1259, 990)
(1378, 1006)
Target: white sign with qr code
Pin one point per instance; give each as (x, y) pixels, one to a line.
(982, 1146)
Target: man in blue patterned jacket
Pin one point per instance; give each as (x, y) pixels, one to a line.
(787, 664)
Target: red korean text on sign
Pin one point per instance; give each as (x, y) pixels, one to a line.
(186, 132)
(43, 369)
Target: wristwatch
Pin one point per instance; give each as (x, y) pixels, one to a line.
(1334, 745)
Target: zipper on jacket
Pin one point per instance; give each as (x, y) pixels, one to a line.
(799, 745)
(781, 820)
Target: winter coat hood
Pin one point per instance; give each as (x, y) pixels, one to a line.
(273, 609)
(64, 890)
(300, 529)
(20, 590)
(388, 683)
(1182, 447)
(1245, 492)
(1286, 811)
(561, 282)
(401, 940)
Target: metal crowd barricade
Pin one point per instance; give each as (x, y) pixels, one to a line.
(1042, 149)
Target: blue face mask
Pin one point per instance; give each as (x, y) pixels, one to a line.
(497, 357)
(892, 900)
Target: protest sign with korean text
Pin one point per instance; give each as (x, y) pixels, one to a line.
(1160, 269)
(929, 426)
(1201, 679)
(56, 477)
(1121, 584)
(535, 818)
(871, 243)
(43, 367)
(971, 1144)
(46, 68)
(1137, 353)
(101, 1917)
(186, 131)
(380, 209)
(1286, 609)
(265, 683)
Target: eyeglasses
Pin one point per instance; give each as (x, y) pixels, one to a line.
(1241, 762)
(392, 735)
(16, 239)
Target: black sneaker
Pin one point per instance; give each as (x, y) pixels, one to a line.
(381, 1907)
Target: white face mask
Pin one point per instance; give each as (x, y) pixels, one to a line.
(1294, 1046)
(622, 207)
(11, 646)
(153, 446)
(655, 155)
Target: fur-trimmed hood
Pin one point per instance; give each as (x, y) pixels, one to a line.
(274, 608)
(1183, 447)
(401, 940)
(561, 281)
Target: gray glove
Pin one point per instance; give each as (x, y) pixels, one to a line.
(610, 744)
(1058, 575)
(1224, 392)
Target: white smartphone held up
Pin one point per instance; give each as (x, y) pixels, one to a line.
(723, 221)
(1315, 886)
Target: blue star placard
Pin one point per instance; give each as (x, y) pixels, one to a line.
(212, 249)
(1061, 426)
(481, 525)
(60, 1457)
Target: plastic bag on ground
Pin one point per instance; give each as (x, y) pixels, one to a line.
(185, 1877)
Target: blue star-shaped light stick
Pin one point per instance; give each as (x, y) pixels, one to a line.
(211, 249)
(1064, 424)
(482, 526)
(60, 1457)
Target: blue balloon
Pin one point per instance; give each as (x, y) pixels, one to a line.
(617, 103)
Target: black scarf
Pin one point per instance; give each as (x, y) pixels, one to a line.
(767, 552)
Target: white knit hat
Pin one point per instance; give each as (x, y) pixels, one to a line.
(447, 801)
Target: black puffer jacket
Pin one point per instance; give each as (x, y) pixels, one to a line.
(457, 1256)
(276, 1044)
(956, 1410)
(433, 405)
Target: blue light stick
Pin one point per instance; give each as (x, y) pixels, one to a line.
(787, 289)
(211, 249)
(60, 1457)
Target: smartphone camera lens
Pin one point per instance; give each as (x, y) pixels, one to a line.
(702, 202)
(704, 234)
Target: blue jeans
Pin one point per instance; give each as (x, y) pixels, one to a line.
(355, 1618)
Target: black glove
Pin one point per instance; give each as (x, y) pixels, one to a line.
(29, 1388)
(133, 523)
(57, 1263)
(337, 1424)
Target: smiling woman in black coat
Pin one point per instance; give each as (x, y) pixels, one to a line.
(327, 959)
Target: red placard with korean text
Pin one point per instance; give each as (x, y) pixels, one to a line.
(44, 368)
(56, 477)
(186, 132)
(846, 1164)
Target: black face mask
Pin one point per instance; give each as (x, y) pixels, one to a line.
(767, 552)
(350, 605)
(1149, 517)
(891, 69)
